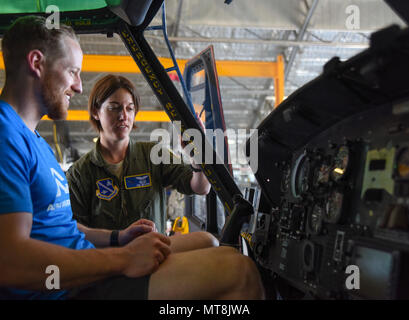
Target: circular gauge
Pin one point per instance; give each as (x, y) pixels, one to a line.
(321, 175)
(315, 219)
(333, 207)
(403, 164)
(340, 163)
(300, 176)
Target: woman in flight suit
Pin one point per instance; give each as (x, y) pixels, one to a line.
(116, 183)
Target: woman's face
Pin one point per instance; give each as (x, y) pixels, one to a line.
(116, 115)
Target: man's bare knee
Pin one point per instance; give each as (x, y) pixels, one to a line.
(193, 241)
(214, 273)
(207, 239)
(245, 278)
(252, 282)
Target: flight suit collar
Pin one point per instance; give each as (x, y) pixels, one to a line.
(98, 160)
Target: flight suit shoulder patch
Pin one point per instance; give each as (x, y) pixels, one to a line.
(106, 189)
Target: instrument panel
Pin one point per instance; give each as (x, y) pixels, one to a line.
(320, 179)
(335, 193)
(334, 177)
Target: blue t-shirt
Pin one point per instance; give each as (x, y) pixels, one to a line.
(31, 180)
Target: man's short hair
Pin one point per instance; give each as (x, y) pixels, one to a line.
(29, 33)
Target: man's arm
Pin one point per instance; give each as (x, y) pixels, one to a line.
(100, 238)
(80, 195)
(23, 260)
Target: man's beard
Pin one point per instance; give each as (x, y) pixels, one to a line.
(53, 102)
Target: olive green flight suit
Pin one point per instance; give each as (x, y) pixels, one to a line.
(100, 200)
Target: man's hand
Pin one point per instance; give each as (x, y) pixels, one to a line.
(135, 230)
(145, 254)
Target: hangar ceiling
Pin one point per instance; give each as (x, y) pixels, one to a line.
(307, 33)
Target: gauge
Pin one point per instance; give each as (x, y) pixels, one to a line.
(321, 175)
(340, 163)
(403, 164)
(315, 219)
(300, 176)
(333, 207)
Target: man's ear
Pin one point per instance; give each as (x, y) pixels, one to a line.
(36, 60)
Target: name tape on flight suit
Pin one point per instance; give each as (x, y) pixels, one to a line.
(138, 181)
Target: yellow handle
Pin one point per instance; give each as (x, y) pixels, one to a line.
(181, 225)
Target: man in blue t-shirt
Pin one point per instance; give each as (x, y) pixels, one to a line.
(40, 241)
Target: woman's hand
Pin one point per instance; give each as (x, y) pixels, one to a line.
(135, 230)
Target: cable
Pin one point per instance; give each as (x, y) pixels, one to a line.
(57, 146)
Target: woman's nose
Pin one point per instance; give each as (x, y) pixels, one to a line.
(122, 114)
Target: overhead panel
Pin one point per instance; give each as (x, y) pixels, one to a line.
(32, 6)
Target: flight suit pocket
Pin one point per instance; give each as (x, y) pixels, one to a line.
(105, 215)
(146, 210)
(107, 219)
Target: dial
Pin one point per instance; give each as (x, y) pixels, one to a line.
(340, 163)
(333, 207)
(315, 219)
(403, 164)
(300, 176)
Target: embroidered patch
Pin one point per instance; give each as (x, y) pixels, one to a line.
(138, 181)
(106, 189)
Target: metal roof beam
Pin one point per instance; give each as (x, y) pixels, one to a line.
(274, 42)
(141, 116)
(300, 35)
(225, 68)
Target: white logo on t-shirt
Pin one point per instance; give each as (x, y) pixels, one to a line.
(59, 180)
